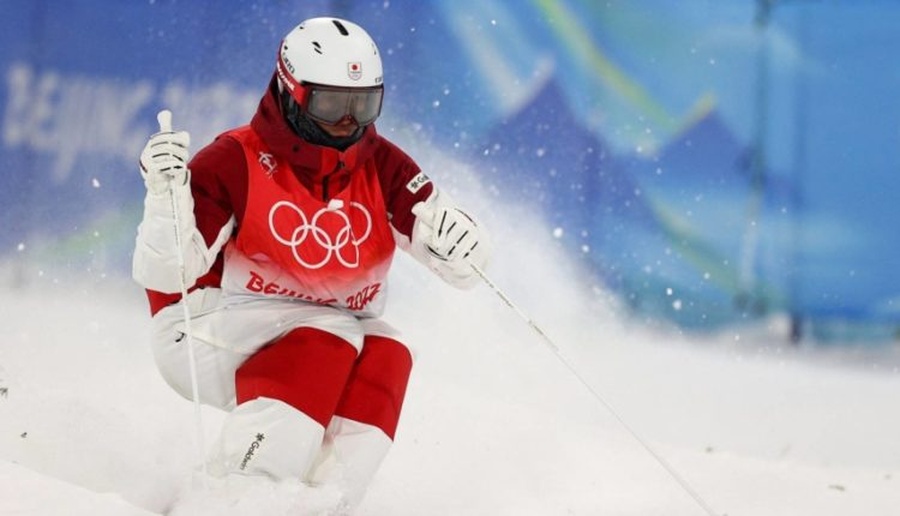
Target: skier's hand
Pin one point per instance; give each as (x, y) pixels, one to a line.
(453, 240)
(165, 157)
(454, 235)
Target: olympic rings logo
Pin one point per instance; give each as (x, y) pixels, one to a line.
(330, 245)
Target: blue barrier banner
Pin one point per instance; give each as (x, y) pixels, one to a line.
(711, 162)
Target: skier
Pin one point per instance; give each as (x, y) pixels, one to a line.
(287, 227)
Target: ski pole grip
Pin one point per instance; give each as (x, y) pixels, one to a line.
(164, 118)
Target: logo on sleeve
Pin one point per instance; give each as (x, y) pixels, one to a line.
(416, 183)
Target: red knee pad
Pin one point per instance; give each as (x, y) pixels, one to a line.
(377, 384)
(307, 368)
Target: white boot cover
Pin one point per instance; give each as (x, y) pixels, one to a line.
(265, 436)
(349, 458)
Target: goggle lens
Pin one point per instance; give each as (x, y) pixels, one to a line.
(330, 105)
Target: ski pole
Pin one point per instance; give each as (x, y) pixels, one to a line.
(164, 118)
(685, 486)
(4, 390)
(537, 329)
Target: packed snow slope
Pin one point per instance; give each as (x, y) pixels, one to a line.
(496, 421)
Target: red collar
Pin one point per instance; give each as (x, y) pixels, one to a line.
(305, 158)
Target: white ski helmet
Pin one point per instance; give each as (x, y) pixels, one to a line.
(329, 51)
(332, 69)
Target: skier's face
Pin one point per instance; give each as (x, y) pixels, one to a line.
(344, 128)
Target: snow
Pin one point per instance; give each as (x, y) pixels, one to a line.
(495, 423)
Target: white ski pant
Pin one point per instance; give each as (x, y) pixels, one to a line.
(312, 392)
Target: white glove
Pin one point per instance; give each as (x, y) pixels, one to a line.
(165, 157)
(453, 242)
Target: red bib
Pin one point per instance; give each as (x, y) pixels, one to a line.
(291, 244)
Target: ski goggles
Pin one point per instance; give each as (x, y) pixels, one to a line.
(331, 104)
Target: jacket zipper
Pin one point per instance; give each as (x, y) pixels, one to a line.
(340, 165)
